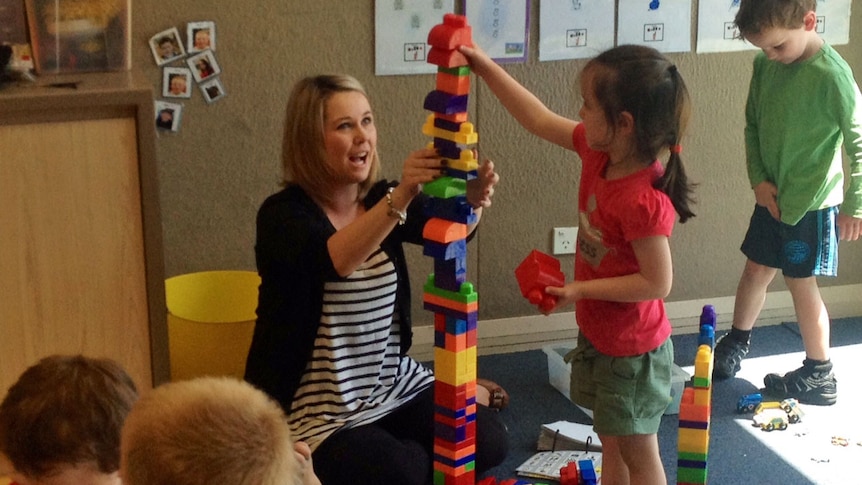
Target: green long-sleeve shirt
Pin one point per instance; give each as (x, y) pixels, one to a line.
(798, 116)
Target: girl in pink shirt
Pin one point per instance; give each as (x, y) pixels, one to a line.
(635, 107)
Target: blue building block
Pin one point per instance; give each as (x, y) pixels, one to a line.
(443, 102)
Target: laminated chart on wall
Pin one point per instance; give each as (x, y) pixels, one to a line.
(400, 32)
(500, 27)
(575, 29)
(447, 292)
(716, 29)
(833, 21)
(664, 25)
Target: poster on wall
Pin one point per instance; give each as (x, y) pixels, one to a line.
(575, 29)
(500, 27)
(401, 34)
(833, 21)
(716, 29)
(664, 25)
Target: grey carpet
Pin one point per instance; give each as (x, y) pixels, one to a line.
(737, 454)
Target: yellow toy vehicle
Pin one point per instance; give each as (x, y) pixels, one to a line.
(790, 406)
(771, 418)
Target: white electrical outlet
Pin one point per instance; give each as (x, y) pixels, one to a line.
(565, 239)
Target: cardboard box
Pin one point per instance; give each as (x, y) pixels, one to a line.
(80, 35)
(559, 375)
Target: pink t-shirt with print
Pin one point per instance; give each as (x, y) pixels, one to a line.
(612, 214)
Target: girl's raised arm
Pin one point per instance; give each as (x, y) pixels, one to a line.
(523, 105)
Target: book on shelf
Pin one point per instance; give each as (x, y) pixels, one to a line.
(565, 435)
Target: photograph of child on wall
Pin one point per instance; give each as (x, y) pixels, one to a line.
(167, 46)
(200, 36)
(168, 116)
(176, 82)
(203, 65)
(213, 90)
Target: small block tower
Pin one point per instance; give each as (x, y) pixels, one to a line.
(696, 407)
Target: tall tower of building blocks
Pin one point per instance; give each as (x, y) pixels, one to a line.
(447, 292)
(695, 408)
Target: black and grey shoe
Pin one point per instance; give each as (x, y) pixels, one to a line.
(809, 384)
(727, 357)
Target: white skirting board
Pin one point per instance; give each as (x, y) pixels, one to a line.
(506, 335)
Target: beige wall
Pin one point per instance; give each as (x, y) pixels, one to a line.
(225, 160)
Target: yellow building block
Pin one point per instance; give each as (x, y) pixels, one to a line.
(465, 135)
(703, 362)
(466, 163)
(693, 440)
(703, 396)
(455, 368)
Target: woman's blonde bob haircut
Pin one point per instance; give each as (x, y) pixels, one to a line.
(303, 151)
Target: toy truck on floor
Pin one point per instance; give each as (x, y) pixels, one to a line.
(790, 406)
(770, 419)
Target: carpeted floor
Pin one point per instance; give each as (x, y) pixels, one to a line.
(739, 453)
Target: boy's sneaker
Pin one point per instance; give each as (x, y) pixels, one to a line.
(807, 384)
(727, 357)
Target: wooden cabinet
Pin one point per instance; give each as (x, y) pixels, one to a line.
(81, 264)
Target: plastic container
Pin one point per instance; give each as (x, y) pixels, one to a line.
(211, 317)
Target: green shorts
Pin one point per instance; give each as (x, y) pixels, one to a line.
(628, 395)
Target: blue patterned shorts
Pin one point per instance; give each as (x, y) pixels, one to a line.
(809, 248)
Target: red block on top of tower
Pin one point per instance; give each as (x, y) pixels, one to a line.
(453, 32)
(445, 38)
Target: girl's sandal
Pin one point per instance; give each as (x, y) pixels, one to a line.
(499, 398)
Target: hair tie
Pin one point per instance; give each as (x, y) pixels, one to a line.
(676, 149)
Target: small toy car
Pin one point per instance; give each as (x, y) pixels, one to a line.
(793, 409)
(790, 406)
(748, 402)
(770, 419)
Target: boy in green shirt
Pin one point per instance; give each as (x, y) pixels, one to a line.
(803, 105)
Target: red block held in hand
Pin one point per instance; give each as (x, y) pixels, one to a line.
(536, 272)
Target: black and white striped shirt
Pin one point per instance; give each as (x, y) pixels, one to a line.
(355, 375)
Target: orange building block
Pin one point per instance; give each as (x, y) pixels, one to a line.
(453, 84)
(443, 231)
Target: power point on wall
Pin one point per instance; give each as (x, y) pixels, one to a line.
(565, 239)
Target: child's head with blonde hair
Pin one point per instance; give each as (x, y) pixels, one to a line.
(205, 431)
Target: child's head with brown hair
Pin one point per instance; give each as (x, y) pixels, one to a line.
(756, 16)
(63, 416)
(639, 83)
(785, 30)
(208, 430)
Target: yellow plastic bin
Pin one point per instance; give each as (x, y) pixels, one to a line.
(210, 322)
